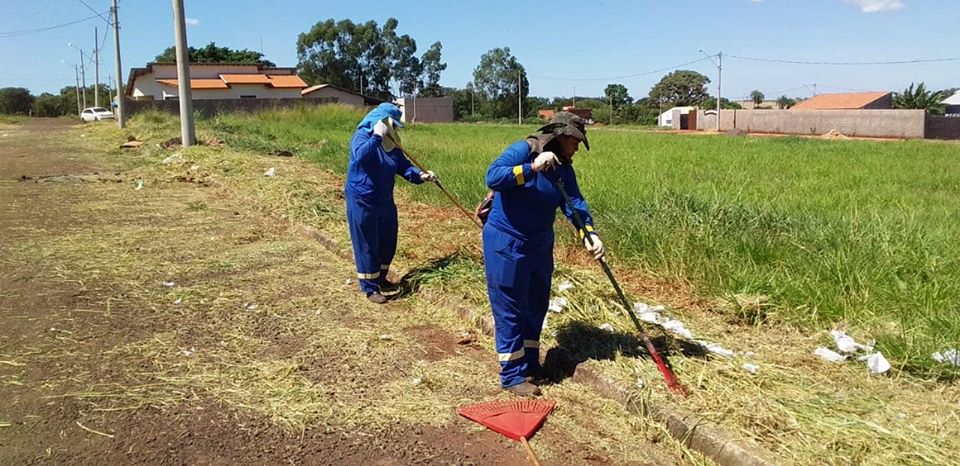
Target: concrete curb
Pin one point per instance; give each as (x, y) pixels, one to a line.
(694, 432)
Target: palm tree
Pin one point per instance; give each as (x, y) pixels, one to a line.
(757, 98)
(919, 98)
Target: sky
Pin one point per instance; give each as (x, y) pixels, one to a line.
(565, 46)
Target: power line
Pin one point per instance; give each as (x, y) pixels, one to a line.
(95, 11)
(850, 63)
(4, 35)
(620, 77)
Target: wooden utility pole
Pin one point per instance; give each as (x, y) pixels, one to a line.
(187, 130)
(520, 98)
(121, 115)
(96, 68)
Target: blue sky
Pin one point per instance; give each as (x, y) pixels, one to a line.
(556, 39)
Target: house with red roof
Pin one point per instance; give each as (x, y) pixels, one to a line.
(848, 101)
(158, 81)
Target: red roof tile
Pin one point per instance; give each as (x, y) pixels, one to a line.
(197, 83)
(851, 101)
(287, 81)
(245, 78)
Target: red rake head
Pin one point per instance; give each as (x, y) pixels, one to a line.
(513, 418)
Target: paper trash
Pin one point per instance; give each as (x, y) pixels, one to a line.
(677, 327)
(606, 327)
(950, 356)
(566, 285)
(876, 363)
(829, 355)
(557, 304)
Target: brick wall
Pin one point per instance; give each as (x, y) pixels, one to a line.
(864, 123)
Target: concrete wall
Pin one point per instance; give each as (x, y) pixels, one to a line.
(212, 107)
(863, 123)
(427, 109)
(943, 128)
(337, 94)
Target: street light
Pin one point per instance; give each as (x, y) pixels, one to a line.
(719, 65)
(83, 73)
(76, 75)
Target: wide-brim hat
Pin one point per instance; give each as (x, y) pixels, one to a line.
(569, 124)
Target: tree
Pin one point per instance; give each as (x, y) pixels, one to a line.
(431, 67)
(725, 104)
(496, 79)
(681, 87)
(367, 58)
(785, 102)
(757, 98)
(15, 101)
(213, 54)
(620, 100)
(919, 97)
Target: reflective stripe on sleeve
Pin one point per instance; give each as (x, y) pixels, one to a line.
(518, 174)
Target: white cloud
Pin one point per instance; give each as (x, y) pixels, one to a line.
(192, 22)
(874, 6)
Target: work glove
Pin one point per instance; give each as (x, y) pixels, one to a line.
(428, 176)
(545, 161)
(391, 139)
(381, 129)
(597, 248)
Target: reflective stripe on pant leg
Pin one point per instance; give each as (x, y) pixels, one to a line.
(365, 237)
(508, 298)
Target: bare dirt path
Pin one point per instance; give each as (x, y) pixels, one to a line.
(173, 325)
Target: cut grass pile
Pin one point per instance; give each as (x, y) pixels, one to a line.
(854, 232)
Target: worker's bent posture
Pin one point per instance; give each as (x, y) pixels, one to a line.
(371, 212)
(518, 241)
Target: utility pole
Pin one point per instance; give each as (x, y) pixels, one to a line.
(719, 65)
(519, 98)
(121, 113)
(574, 97)
(76, 75)
(83, 74)
(187, 132)
(96, 68)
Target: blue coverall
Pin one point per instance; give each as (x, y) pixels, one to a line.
(371, 212)
(518, 253)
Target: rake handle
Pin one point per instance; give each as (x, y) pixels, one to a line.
(530, 454)
(668, 375)
(417, 164)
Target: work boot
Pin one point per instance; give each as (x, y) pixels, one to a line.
(524, 389)
(377, 297)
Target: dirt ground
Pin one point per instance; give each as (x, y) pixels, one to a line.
(173, 324)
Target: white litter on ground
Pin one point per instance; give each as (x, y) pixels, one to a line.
(250, 306)
(716, 349)
(949, 356)
(846, 344)
(169, 284)
(564, 286)
(876, 363)
(829, 355)
(137, 184)
(607, 327)
(677, 327)
(175, 158)
(178, 301)
(270, 172)
(189, 352)
(751, 368)
(557, 304)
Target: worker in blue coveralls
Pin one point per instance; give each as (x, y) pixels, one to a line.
(371, 212)
(518, 241)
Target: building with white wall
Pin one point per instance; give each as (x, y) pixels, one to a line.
(158, 81)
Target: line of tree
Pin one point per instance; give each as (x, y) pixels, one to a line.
(19, 101)
(369, 58)
(210, 53)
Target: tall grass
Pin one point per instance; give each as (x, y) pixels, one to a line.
(861, 232)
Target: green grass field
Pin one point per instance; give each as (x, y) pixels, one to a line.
(860, 232)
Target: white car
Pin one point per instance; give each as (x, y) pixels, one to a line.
(96, 114)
